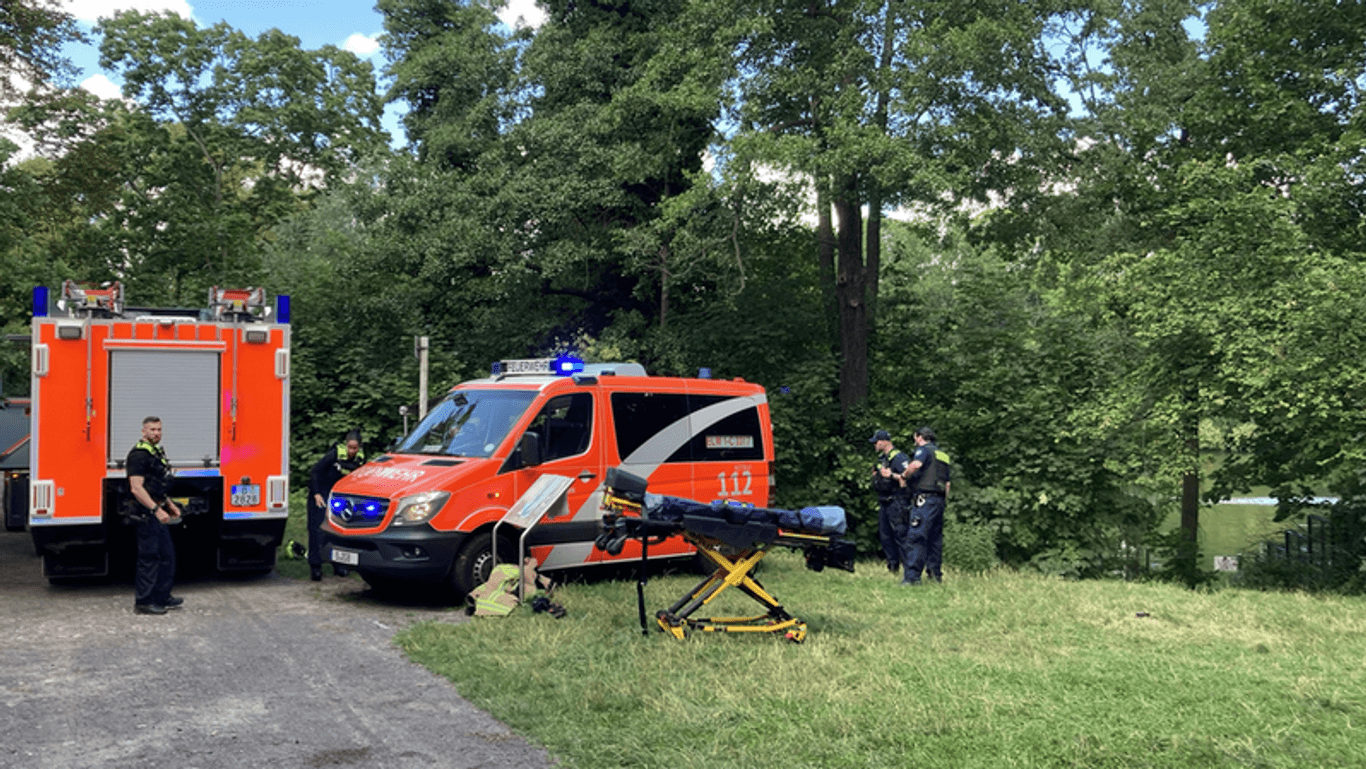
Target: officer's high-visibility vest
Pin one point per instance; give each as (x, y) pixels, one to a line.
(935, 475)
(345, 465)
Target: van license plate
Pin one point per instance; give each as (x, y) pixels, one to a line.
(246, 495)
(348, 557)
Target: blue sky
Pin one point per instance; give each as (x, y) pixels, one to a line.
(354, 25)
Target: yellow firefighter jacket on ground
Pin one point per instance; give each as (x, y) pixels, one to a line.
(498, 596)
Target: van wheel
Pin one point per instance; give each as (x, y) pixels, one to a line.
(474, 564)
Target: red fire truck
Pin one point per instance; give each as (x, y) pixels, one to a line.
(219, 380)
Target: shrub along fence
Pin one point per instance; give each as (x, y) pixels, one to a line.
(1324, 553)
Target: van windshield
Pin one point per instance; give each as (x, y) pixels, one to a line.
(468, 423)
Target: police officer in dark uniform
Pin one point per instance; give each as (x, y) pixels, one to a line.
(927, 480)
(149, 476)
(336, 464)
(891, 497)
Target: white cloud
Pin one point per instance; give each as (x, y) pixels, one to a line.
(90, 10)
(522, 13)
(362, 45)
(102, 87)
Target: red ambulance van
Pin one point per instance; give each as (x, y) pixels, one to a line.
(426, 510)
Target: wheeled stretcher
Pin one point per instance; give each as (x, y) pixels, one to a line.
(734, 537)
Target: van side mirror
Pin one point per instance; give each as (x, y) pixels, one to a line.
(531, 449)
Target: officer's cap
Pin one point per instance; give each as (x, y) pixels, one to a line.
(880, 435)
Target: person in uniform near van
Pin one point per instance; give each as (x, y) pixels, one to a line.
(149, 477)
(336, 464)
(927, 481)
(891, 497)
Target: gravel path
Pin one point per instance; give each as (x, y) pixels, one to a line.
(268, 671)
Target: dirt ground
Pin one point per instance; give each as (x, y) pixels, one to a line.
(259, 672)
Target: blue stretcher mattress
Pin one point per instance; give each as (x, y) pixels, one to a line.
(827, 520)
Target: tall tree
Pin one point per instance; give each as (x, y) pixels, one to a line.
(229, 136)
(455, 70)
(887, 104)
(32, 34)
(1212, 178)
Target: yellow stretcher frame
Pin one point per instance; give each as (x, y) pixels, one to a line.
(731, 571)
(734, 567)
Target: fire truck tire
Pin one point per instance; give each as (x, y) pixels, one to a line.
(474, 564)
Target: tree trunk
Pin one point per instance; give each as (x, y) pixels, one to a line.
(851, 285)
(825, 248)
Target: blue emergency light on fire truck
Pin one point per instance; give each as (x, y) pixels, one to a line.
(428, 510)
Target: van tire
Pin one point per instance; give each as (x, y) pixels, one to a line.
(474, 564)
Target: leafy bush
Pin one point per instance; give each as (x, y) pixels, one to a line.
(1336, 562)
(969, 547)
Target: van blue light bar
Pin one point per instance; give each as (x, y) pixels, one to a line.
(564, 365)
(567, 365)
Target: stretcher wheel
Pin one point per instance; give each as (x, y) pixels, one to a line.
(673, 626)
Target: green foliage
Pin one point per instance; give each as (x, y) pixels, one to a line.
(229, 136)
(1179, 557)
(977, 347)
(1096, 293)
(32, 34)
(454, 70)
(970, 547)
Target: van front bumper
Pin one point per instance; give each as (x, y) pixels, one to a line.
(420, 553)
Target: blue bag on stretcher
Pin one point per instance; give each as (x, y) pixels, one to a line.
(825, 519)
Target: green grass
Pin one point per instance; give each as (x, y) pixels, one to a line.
(1227, 529)
(296, 528)
(1000, 670)
(1233, 529)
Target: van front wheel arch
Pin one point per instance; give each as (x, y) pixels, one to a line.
(474, 564)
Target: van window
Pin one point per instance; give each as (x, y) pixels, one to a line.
(738, 437)
(468, 423)
(640, 417)
(565, 425)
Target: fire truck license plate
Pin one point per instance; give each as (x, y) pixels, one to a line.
(246, 496)
(348, 557)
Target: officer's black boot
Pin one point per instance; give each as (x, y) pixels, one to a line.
(316, 573)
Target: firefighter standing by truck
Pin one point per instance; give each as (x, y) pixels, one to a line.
(336, 464)
(149, 476)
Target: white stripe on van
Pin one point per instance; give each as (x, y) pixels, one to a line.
(654, 452)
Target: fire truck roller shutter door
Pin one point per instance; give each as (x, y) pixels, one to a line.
(184, 393)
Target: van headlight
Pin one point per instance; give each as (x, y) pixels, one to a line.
(419, 508)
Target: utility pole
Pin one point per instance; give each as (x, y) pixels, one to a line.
(420, 348)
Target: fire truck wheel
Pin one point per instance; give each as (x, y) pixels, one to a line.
(474, 564)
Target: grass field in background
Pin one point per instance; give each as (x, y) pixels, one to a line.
(1232, 529)
(1000, 670)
